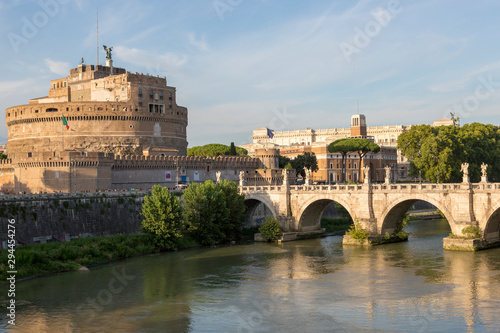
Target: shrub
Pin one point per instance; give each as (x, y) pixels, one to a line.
(357, 232)
(270, 229)
(472, 232)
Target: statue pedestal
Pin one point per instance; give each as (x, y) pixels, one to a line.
(466, 179)
(387, 182)
(484, 179)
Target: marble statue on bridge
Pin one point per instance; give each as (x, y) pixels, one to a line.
(217, 176)
(366, 172)
(484, 175)
(308, 176)
(387, 175)
(465, 170)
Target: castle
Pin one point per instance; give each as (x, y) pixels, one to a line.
(104, 128)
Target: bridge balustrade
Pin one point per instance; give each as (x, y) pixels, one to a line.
(375, 187)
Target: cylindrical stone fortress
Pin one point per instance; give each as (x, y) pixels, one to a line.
(107, 110)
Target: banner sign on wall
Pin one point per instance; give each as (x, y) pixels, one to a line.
(196, 176)
(168, 176)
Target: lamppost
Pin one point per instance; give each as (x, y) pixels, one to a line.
(420, 177)
(176, 174)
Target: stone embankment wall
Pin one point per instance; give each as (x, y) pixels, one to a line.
(45, 217)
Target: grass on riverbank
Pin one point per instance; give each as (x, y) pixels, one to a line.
(335, 224)
(40, 259)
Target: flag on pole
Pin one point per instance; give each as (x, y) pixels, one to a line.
(270, 133)
(65, 122)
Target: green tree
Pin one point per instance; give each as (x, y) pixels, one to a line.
(363, 147)
(438, 152)
(214, 212)
(341, 146)
(306, 160)
(214, 150)
(283, 161)
(270, 229)
(235, 204)
(232, 150)
(162, 217)
(357, 145)
(3, 156)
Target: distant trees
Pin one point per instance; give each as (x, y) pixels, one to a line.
(357, 145)
(3, 156)
(216, 149)
(440, 151)
(306, 160)
(232, 150)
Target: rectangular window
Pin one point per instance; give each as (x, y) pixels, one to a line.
(170, 96)
(161, 94)
(140, 92)
(151, 93)
(30, 155)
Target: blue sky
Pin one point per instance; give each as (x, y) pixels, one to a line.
(239, 65)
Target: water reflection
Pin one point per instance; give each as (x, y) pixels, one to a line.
(314, 286)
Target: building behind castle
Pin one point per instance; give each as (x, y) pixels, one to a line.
(296, 142)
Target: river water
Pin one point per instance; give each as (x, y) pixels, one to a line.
(305, 286)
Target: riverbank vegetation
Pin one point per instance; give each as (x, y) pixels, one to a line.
(41, 259)
(470, 232)
(212, 214)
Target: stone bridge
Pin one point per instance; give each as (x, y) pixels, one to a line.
(379, 208)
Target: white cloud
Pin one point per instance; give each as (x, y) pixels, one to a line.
(57, 67)
(200, 44)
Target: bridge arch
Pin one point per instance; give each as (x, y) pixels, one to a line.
(310, 212)
(492, 226)
(252, 203)
(396, 209)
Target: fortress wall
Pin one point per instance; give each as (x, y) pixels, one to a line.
(7, 178)
(146, 171)
(44, 172)
(76, 214)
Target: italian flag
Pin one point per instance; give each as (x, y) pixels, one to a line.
(65, 122)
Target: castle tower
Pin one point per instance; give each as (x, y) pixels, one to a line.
(358, 125)
(268, 157)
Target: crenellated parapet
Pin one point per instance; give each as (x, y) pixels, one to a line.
(187, 162)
